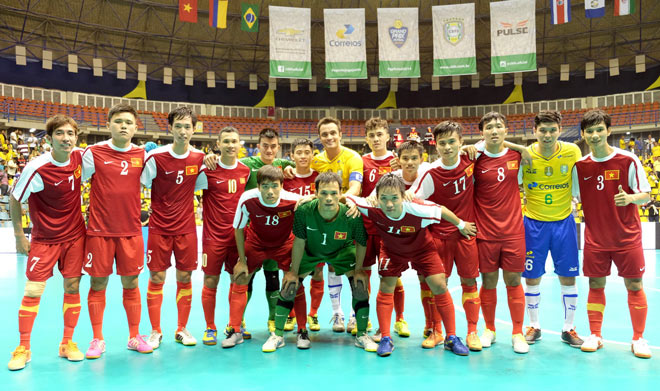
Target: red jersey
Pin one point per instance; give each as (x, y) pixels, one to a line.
(173, 181)
(52, 190)
(373, 169)
(407, 236)
(269, 224)
(223, 188)
(596, 180)
(301, 184)
(497, 205)
(452, 187)
(115, 180)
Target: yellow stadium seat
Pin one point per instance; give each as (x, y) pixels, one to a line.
(644, 219)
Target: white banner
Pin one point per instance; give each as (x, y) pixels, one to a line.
(345, 44)
(513, 36)
(290, 42)
(454, 51)
(398, 42)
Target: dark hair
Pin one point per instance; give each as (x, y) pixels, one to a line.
(547, 116)
(181, 112)
(301, 141)
(269, 173)
(594, 117)
(60, 120)
(375, 123)
(328, 120)
(391, 180)
(445, 128)
(327, 177)
(491, 116)
(269, 133)
(410, 145)
(122, 108)
(227, 129)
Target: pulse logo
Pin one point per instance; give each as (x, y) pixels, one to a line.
(509, 28)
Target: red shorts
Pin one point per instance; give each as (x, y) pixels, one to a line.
(461, 251)
(426, 264)
(508, 255)
(160, 248)
(598, 263)
(103, 251)
(257, 255)
(68, 255)
(373, 250)
(214, 256)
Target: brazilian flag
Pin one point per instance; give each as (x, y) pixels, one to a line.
(249, 17)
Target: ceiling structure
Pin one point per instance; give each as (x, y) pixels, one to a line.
(149, 32)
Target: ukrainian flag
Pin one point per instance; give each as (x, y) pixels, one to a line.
(218, 13)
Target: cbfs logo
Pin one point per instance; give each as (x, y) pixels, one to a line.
(453, 30)
(398, 33)
(511, 29)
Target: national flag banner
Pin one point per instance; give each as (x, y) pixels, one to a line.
(470, 170)
(136, 162)
(191, 170)
(249, 17)
(340, 235)
(285, 213)
(512, 165)
(407, 229)
(454, 50)
(560, 11)
(218, 13)
(594, 8)
(345, 44)
(188, 11)
(512, 36)
(624, 7)
(398, 42)
(611, 175)
(290, 42)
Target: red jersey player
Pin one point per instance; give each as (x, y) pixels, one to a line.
(172, 173)
(611, 183)
(51, 186)
(501, 237)
(223, 188)
(402, 225)
(114, 168)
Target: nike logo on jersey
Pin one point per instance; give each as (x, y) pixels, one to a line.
(587, 178)
(219, 182)
(352, 265)
(107, 162)
(58, 183)
(312, 229)
(642, 269)
(484, 171)
(168, 172)
(260, 216)
(253, 170)
(445, 184)
(141, 267)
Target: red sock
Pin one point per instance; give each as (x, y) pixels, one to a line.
(300, 307)
(292, 313)
(384, 306)
(445, 306)
(71, 312)
(96, 307)
(26, 315)
(488, 305)
(183, 303)
(237, 305)
(133, 308)
(471, 304)
(516, 299)
(638, 309)
(316, 295)
(368, 272)
(154, 302)
(595, 309)
(208, 304)
(399, 300)
(427, 298)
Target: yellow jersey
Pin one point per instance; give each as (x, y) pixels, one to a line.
(547, 184)
(348, 164)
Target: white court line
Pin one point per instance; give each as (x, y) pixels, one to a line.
(454, 289)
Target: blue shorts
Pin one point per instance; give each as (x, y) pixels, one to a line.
(558, 237)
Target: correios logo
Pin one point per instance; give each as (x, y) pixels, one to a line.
(511, 29)
(344, 37)
(342, 33)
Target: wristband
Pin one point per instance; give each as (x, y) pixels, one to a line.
(460, 225)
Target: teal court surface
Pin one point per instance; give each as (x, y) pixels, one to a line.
(333, 362)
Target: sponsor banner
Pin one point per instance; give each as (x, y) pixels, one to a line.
(290, 43)
(345, 44)
(398, 43)
(454, 51)
(512, 36)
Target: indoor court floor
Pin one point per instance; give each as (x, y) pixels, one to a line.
(333, 362)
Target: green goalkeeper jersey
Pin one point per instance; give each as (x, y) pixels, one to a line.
(255, 163)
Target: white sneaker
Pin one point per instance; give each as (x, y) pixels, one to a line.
(337, 322)
(272, 343)
(184, 337)
(352, 324)
(365, 342)
(592, 343)
(519, 343)
(640, 348)
(487, 338)
(233, 339)
(377, 335)
(154, 339)
(302, 341)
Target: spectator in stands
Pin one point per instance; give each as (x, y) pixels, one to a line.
(639, 146)
(622, 143)
(13, 138)
(4, 179)
(31, 139)
(653, 207)
(12, 167)
(23, 148)
(648, 144)
(3, 138)
(631, 145)
(4, 216)
(34, 153)
(83, 142)
(250, 150)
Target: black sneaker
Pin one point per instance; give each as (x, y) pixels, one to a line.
(532, 335)
(571, 338)
(302, 342)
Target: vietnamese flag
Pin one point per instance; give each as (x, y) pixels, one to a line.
(188, 11)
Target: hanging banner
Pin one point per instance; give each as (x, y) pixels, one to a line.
(512, 36)
(345, 44)
(454, 51)
(290, 43)
(398, 42)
